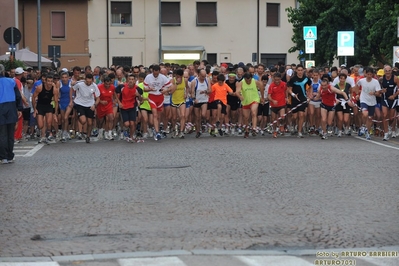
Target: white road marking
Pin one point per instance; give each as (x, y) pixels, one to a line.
(161, 261)
(52, 263)
(375, 142)
(34, 150)
(273, 261)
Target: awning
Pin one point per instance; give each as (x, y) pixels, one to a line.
(184, 49)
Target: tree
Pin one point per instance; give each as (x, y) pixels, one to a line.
(8, 65)
(345, 15)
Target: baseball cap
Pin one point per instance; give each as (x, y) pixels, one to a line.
(19, 71)
(241, 64)
(343, 65)
(380, 72)
(64, 70)
(224, 65)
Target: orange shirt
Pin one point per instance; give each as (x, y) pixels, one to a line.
(221, 92)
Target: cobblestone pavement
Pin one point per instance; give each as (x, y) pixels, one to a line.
(219, 193)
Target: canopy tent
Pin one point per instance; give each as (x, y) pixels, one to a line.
(184, 52)
(28, 58)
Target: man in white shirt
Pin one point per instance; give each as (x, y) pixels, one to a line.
(157, 86)
(86, 101)
(370, 89)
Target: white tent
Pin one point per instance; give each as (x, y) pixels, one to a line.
(28, 58)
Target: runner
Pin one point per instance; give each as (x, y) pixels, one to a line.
(343, 109)
(105, 109)
(128, 105)
(221, 89)
(86, 101)
(327, 94)
(249, 96)
(314, 113)
(65, 87)
(390, 94)
(156, 85)
(277, 96)
(43, 109)
(178, 102)
(200, 88)
(297, 89)
(370, 89)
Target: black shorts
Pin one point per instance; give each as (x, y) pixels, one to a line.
(328, 108)
(26, 114)
(43, 109)
(234, 102)
(84, 111)
(340, 108)
(213, 105)
(223, 106)
(148, 111)
(301, 108)
(263, 109)
(129, 114)
(276, 110)
(198, 105)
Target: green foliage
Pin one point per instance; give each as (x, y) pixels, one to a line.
(10, 65)
(374, 23)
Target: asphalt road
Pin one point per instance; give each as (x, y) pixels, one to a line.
(224, 193)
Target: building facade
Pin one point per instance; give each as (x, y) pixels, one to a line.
(132, 32)
(106, 32)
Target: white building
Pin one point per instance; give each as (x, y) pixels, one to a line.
(128, 32)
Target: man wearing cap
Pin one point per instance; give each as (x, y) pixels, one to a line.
(10, 111)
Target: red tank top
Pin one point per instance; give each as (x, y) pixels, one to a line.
(327, 96)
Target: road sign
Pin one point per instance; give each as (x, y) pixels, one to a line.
(346, 43)
(300, 52)
(12, 35)
(310, 33)
(395, 54)
(54, 51)
(309, 44)
(310, 63)
(12, 48)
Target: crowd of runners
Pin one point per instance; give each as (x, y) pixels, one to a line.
(138, 103)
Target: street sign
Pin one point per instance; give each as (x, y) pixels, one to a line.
(12, 48)
(310, 63)
(54, 51)
(300, 52)
(346, 43)
(12, 35)
(395, 54)
(310, 33)
(309, 44)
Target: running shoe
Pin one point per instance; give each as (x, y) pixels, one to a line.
(300, 135)
(246, 135)
(145, 135)
(87, 139)
(275, 134)
(158, 136)
(368, 136)
(181, 135)
(220, 132)
(393, 134)
(324, 136)
(339, 133)
(198, 135)
(386, 137)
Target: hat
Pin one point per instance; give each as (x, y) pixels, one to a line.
(343, 65)
(380, 72)
(64, 70)
(224, 65)
(241, 64)
(19, 71)
(29, 67)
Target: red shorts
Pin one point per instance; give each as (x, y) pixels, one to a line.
(156, 101)
(104, 110)
(247, 107)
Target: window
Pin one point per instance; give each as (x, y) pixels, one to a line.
(121, 13)
(272, 59)
(58, 25)
(211, 58)
(122, 60)
(170, 14)
(206, 14)
(272, 15)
